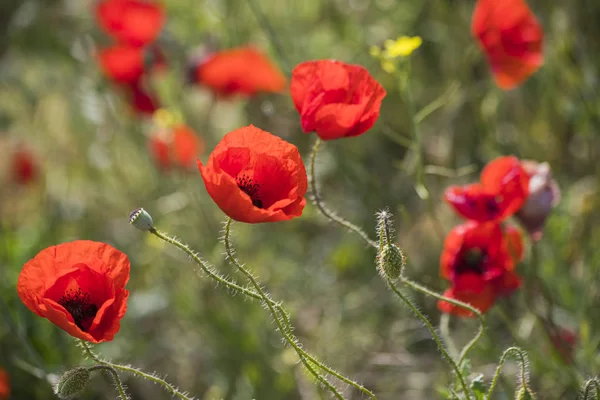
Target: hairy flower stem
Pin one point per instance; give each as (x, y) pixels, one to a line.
(591, 384)
(286, 330)
(306, 358)
(115, 378)
(522, 356)
(318, 200)
(87, 350)
(434, 335)
(321, 206)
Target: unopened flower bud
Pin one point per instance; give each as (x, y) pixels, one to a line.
(524, 393)
(544, 195)
(72, 382)
(391, 261)
(141, 220)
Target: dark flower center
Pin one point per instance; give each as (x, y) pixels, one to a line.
(492, 207)
(80, 306)
(472, 261)
(250, 187)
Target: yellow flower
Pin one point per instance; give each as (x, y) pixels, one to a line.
(401, 47)
(388, 66)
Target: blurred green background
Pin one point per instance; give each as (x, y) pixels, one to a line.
(95, 167)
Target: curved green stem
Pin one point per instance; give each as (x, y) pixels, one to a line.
(434, 335)
(523, 360)
(249, 292)
(429, 292)
(115, 377)
(321, 206)
(206, 267)
(166, 385)
(445, 332)
(286, 330)
(587, 389)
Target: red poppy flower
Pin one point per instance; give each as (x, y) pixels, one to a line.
(141, 99)
(243, 71)
(79, 286)
(254, 176)
(544, 195)
(4, 385)
(134, 22)
(24, 168)
(122, 64)
(511, 38)
(474, 254)
(176, 147)
(482, 301)
(502, 191)
(514, 243)
(335, 99)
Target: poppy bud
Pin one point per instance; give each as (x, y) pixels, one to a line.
(524, 393)
(72, 383)
(544, 195)
(391, 261)
(141, 220)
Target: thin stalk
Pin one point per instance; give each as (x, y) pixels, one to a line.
(166, 385)
(591, 384)
(268, 28)
(523, 360)
(434, 335)
(465, 351)
(286, 330)
(445, 332)
(321, 205)
(115, 378)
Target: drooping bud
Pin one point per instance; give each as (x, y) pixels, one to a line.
(544, 195)
(524, 393)
(141, 220)
(72, 382)
(390, 259)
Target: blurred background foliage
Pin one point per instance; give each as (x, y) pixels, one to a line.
(95, 167)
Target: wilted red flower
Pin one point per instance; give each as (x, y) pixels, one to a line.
(79, 286)
(511, 37)
(4, 385)
(122, 64)
(141, 100)
(178, 146)
(477, 261)
(24, 168)
(335, 99)
(544, 195)
(564, 341)
(243, 71)
(254, 176)
(134, 22)
(502, 191)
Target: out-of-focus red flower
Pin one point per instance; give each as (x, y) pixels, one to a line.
(474, 254)
(564, 341)
(4, 385)
(544, 195)
(514, 243)
(141, 100)
(244, 71)
(503, 189)
(477, 261)
(178, 146)
(133, 22)
(24, 169)
(79, 286)
(335, 99)
(511, 38)
(482, 301)
(254, 177)
(122, 64)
